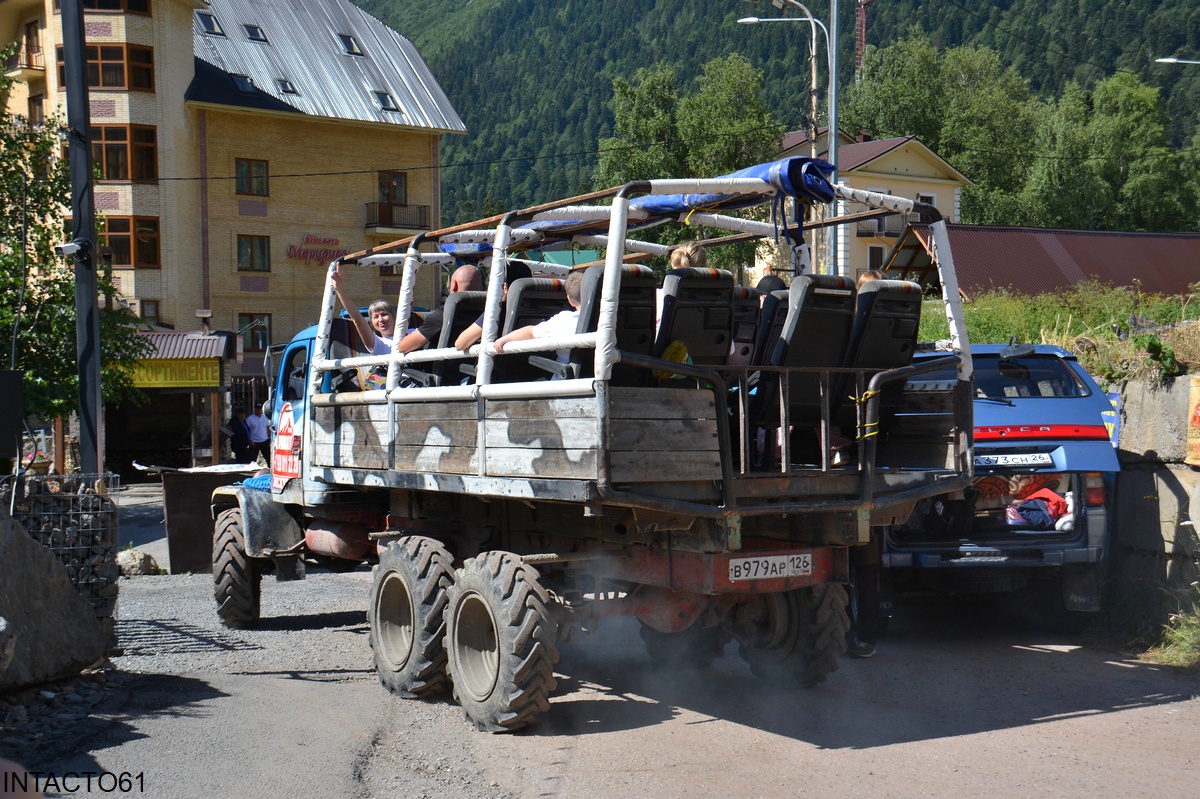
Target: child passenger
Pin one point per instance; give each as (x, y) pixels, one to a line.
(563, 323)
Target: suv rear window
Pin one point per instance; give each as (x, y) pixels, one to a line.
(1030, 376)
(1020, 378)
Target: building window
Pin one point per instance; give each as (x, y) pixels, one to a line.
(386, 101)
(113, 66)
(874, 258)
(393, 188)
(256, 331)
(132, 240)
(287, 87)
(149, 311)
(37, 111)
(116, 6)
(255, 33)
(349, 44)
(251, 177)
(209, 23)
(125, 152)
(244, 84)
(254, 253)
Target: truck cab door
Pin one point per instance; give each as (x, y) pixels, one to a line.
(289, 400)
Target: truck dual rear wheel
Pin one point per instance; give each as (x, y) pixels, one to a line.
(500, 639)
(406, 616)
(236, 576)
(797, 636)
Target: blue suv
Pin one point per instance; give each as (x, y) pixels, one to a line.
(1038, 513)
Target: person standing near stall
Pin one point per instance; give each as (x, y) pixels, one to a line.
(260, 435)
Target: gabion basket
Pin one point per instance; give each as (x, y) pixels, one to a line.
(73, 516)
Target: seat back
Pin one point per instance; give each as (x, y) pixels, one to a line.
(815, 334)
(530, 300)
(636, 307)
(461, 310)
(884, 334)
(697, 310)
(770, 324)
(747, 308)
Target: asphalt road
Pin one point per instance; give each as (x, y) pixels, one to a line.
(958, 703)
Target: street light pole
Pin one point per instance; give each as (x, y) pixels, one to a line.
(813, 24)
(831, 138)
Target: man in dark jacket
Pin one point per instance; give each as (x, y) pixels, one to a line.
(239, 442)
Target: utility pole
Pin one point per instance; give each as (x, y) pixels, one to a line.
(83, 216)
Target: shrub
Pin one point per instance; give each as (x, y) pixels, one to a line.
(1117, 332)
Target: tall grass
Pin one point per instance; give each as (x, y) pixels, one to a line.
(1118, 333)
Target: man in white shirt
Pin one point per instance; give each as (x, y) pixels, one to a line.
(260, 435)
(563, 323)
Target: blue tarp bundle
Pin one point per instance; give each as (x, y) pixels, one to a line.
(802, 178)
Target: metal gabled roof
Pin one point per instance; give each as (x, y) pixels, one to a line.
(1038, 260)
(181, 344)
(303, 48)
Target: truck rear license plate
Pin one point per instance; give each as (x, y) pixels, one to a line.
(1030, 459)
(766, 567)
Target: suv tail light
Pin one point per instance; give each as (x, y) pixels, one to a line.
(1095, 488)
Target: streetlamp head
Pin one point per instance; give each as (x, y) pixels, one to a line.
(749, 20)
(1167, 60)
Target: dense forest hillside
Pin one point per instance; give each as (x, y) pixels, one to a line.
(532, 79)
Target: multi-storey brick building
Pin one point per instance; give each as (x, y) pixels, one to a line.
(241, 146)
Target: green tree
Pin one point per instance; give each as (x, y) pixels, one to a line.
(646, 142)
(1104, 163)
(963, 104)
(37, 289)
(721, 127)
(725, 124)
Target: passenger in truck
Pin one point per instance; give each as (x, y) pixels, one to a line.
(563, 323)
(466, 278)
(512, 272)
(379, 334)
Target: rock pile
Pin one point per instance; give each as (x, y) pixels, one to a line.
(36, 720)
(73, 517)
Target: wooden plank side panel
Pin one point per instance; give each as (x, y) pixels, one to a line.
(661, 403)
(441, 442)
(351, 436)
(556, 408)
(663, 435)
(550, 438)
(567, 464)
(437, 458)
(664, 466)
(437, 411)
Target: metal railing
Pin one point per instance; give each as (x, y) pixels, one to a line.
(24, 59)
(412, 217)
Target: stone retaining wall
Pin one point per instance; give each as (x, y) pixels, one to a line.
(1155, 543)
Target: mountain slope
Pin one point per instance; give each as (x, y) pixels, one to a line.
(532, 79)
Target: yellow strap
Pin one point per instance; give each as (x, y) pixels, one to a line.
(871, 433)
(867, 395)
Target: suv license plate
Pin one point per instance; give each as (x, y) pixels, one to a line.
(765, 567)
(1032, 459)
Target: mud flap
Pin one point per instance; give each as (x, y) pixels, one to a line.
(288, 568)
(1081, 588)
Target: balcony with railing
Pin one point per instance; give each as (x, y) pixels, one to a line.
(25, 64)
(400, 217)
(888, 226)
